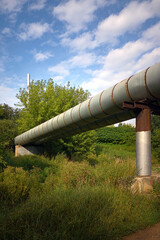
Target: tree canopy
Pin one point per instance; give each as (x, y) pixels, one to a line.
(45, 100)
(8, 131)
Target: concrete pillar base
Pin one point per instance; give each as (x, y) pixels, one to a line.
(27, 150)
(142, 185)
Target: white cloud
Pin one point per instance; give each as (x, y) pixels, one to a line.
(117, 59)
(131, 17)
(108, 31)
(80, 43)
(61, 69)
(33, 30)
(122, 62)
(58, 78)
(8, 6)
(77, 13)
(6, 31)
(8, 95)
(82, 60)
(38, 5)
(124, 58)
(152, 33)
(148, 59)
(41, 56)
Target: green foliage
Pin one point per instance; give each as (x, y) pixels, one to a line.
(113, 151)
(16, 185)
(29, 162)
(79, 146)
(117, 135)
(60, 199)
(89, 213)
(155, 122)
(74, 174)
(7, 112)
(8, 130)
(3, 164)
(7, 134)
(156, 143)
(46, 100)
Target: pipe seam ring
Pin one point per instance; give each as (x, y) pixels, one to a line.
(64, 119)
(127, 89)
(52, 124)
(57, 121)
(145, 81)
(113, 98)
(100, 97)
(90, 108)
(80, 113)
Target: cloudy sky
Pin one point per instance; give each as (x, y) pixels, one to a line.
(91, 43)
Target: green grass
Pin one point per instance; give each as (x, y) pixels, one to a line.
(42, 199)
(86, 213)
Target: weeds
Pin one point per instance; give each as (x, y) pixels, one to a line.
(44, 199)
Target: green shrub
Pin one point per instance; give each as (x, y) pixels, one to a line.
(59, 199)
(115, 171)
(17, 185)
(156, 143)
(117, 135)
(75, 174)
(112, 151)
(29, 162)
(3, 164)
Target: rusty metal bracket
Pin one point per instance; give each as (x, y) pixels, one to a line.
(144, 104)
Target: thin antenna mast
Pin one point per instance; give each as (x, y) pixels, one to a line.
(28, 82)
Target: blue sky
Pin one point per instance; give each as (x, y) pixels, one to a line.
(91, 43)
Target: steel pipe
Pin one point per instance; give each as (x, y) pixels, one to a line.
(101, 110)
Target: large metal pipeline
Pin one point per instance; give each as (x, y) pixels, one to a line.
(104, 109)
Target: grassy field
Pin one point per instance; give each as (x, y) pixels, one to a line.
(44, 199)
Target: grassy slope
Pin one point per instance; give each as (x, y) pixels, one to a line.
(57, 199)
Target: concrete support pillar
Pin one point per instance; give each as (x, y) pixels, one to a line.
(27, 150)
(143, 143)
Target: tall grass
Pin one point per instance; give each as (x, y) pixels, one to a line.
(44, 199)
(86, 213)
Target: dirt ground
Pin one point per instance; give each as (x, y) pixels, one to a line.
(152, 233)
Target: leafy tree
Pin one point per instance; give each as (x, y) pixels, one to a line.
(45, 100)
(7, 112)
(124, 134)
(155, 122)
(155, 125)
(8, 131)
(156, 143)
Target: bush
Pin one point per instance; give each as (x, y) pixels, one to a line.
(117, 135)
(116, 151)
(29, 162)
(7, 134)
(156, 143)
(74, 174)
(16, 185)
